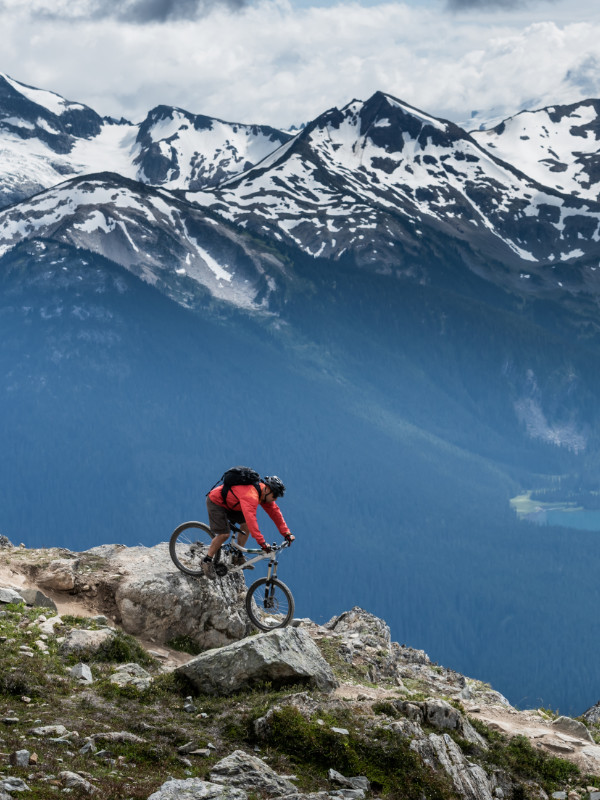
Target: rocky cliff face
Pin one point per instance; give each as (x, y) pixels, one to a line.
(308, 712)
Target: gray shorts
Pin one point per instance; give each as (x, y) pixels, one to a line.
(220, 517)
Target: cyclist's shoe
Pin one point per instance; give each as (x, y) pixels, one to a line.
(239, 560)
(208, 568)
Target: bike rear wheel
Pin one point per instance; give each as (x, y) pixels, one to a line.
(269, 604)
(188, 545)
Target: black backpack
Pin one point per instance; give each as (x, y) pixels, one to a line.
(238, 476)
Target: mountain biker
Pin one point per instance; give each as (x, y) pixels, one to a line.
(240, 506)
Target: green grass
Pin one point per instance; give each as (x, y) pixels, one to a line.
(385, 758)
(522, 760)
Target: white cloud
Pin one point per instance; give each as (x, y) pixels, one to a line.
(276, 64)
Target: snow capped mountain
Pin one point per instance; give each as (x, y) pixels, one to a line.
(44, 138)
(557, 146)
(388, 183)
(163, 240)
(379, 183)
(180, 150)
(38, 131)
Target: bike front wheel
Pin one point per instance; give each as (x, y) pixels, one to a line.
(188, 545)
(269, 604)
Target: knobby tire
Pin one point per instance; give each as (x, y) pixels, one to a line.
(269, 604)
(188, 546)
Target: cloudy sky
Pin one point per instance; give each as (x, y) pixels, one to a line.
(282, 62)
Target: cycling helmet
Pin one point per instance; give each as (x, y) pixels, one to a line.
(275, 484)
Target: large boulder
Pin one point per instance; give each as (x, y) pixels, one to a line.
(573, 727)
(59, 575)
(154, 599)
(252, 774)
(283, 656)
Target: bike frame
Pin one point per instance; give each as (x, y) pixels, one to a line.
(261, 554)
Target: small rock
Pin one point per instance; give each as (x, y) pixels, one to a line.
(71, 780)
(82, 672)
(573, 727)
(20, 758)
(33, 597)
(14, 785)
(359, 782)
(106, 755)
(10, 596)
(84, 641)
(49, 730)
(117, 736)
(158, 654)
(341, 731)
(10, 720)
(48, 626)
(131, 675)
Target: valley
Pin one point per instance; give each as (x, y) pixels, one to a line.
(346, 308)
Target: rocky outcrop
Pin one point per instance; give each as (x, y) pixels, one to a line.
(592, 715)
(440, 751)
(143, 592)
(437, 713)
(241, 776)
(283, 656)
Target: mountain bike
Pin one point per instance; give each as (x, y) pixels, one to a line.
(269, 602)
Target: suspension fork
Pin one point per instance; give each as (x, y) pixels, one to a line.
(272, 570)
(270, 587)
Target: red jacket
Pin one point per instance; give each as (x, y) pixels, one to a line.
(246, 500)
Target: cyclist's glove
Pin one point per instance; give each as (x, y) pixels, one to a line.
(288, 537)
(266, 547)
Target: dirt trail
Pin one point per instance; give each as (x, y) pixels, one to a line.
(556, 737)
